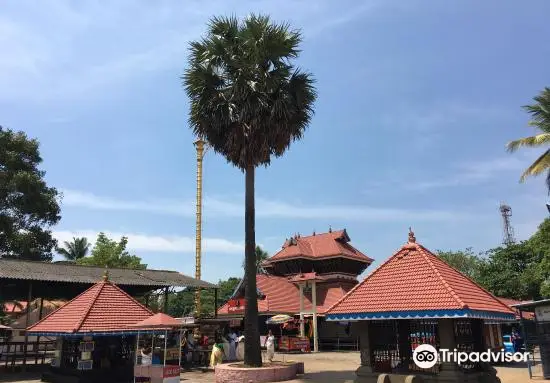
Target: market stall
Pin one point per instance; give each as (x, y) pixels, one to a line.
(288, 343)
(158, 342)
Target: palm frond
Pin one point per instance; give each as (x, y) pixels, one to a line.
(532, 142)
(538, 167)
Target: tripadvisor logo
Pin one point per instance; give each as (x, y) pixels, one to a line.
(426, 356)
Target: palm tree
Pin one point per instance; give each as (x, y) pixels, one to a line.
(75, 250)
(261, 256)
(540, 119)
(249, 103)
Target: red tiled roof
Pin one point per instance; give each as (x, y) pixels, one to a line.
(509, 302)
(13, 308)
(331, 244)
(159, 320)
(102, 308)
(416, 279)
(283, 297)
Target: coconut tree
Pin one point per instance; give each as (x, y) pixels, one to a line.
(76, 249)
(249, 103)
(540, 119)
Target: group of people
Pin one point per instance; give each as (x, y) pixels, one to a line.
(229, 346)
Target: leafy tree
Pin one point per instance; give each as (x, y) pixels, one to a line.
(540, 119)
(182, 303)
(109, 253)
(510, 271)
(464, 261)
(540, 245)
(28, 207)
(76, 249)
(261, 256)
(249, 103)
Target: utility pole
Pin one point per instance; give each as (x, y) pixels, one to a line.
(200, 146)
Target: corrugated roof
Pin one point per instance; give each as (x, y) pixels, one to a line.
(414, 279)
(62, 272)
(104, 307)
(319, 246)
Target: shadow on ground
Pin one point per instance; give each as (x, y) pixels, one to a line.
(327, 377)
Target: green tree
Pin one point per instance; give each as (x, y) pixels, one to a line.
(109, 253)
(249, 103)
(28, 207)
(76, 249)
(464, 261)
(540, 245)
(540, 119)
(261, 256)
(511, 271)
(182, 302)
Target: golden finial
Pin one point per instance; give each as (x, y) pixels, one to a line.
(412, 238)
(106, 275)
(329, 228)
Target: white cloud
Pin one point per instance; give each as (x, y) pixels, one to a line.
(86, 46)
(214, 207)
(144, 242)
(476, 172)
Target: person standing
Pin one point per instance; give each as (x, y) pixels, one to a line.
(270, 346)
(232, 346)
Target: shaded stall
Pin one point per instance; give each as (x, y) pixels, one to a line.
(95, 342)
(158, 345)
(416, 298)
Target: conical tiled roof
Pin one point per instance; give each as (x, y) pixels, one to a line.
(159, 320)
(416, 283)
(104, 307)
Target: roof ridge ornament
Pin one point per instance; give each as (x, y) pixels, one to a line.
(106, 275)
(412, 238)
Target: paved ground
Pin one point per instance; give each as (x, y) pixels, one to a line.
(323, 368)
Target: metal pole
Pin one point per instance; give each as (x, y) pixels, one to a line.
(165, 345)
(199, 145)
(165, 300)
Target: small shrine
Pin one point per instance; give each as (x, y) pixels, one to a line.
(416, 298)
(103, 335)
(303, 279)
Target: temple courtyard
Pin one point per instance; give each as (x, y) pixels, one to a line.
(325, 367)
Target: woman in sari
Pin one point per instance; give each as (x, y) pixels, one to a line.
(217, 353)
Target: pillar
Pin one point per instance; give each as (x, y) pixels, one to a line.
(447, 341)
(364, 372)
(27, 323)
(314, 309)
(302, 331)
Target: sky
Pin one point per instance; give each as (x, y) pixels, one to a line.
(417, 101)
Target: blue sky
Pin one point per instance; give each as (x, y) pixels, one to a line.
(417, 100)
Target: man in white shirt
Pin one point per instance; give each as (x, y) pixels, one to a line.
(270, 346)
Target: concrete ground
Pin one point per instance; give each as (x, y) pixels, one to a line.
(326, 367)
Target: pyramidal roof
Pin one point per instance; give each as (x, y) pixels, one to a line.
(104, 307)
(415, 283)
(320, 246)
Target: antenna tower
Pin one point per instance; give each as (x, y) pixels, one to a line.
(508, 230)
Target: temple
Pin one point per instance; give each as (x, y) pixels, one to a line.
(306, 277)
(416, 298)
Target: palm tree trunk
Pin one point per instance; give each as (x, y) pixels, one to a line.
(252, 349)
